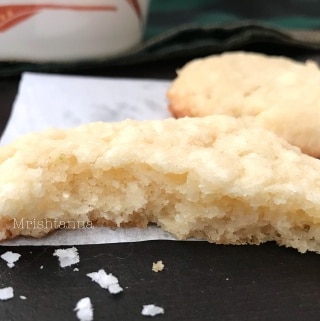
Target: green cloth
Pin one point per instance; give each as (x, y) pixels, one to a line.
(287, 14)
(193, 28)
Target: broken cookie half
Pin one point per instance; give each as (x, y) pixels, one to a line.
(216, 178)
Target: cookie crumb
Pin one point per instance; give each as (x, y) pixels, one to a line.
(157, 267)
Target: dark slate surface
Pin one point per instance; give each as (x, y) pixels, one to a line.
(201, 281)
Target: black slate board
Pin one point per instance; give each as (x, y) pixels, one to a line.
(201, 281)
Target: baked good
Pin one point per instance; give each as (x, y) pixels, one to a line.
(280, 94)
(216, 178)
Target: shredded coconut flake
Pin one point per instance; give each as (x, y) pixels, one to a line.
(157, 267)
(41, 267)
(67, 257)
(106, 281)
(151, 310)
(22, 297)
(6, 293)
(115, 288)
(84, 309)
(10, 258)
(75, 270)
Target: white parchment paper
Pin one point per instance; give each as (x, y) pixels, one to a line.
(45, 101)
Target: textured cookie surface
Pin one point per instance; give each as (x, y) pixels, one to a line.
(282, 95)
(215, 177)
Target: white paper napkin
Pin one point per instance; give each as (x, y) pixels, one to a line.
(45, 101)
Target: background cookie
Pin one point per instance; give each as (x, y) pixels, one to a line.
(282, 95)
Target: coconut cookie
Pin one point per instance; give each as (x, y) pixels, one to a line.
(216, 178)
(282, 95)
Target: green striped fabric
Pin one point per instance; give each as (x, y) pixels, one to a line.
(290, 14)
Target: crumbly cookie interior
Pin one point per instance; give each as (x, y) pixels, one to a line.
(216, 178)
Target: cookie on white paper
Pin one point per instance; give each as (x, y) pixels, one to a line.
(218, 178)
